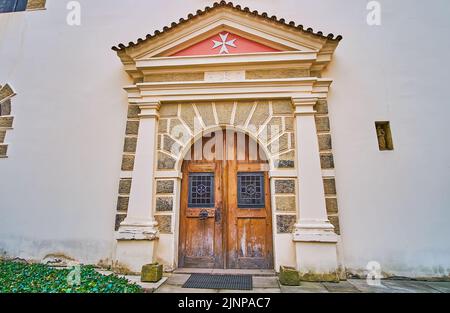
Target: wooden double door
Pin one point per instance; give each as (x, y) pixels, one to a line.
(225, 212)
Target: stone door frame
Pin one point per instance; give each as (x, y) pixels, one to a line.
(312, 229)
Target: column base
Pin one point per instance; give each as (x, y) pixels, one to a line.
(131, 255)
(136, 245)
(137, 230)
(316, 252)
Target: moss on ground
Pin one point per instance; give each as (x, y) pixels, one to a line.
(19, 277)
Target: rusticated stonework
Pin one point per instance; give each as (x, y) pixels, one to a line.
(285, 223)
(271, 121)
(327, 161)
(164, 204)
(165, 186)
(285, 186)
(35, 5)
(6, 119)
(276, 73)
(128, 157)
(164, 223)
(285, 205)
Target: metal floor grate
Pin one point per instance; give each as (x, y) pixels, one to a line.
(208, 281)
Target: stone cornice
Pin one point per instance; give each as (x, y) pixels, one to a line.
(288, 59)
(298, 88)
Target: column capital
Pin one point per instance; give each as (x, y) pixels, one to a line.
(304, 106)
(149, 109)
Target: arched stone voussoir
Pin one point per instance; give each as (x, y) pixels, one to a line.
(6, 92)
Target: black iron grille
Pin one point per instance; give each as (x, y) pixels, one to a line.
(251, 190)
(201, 190)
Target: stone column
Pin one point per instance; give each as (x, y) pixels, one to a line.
(138, 232)
(314, 235)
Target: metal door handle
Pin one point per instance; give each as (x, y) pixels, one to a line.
(218, 215)
(203, 215)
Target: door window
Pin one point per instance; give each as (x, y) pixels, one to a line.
(201, 190)
(251, 190)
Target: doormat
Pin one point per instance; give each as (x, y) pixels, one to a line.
(208, 281)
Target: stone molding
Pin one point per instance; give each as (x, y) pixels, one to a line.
(6, 117)
(33, 5)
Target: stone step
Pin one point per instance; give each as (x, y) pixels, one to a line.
(255, 272)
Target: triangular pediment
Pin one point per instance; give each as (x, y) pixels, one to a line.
(227, 29)
(225, 42)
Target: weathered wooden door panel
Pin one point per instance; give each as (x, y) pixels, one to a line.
(200, 226)
(225, 218)
(250, 233)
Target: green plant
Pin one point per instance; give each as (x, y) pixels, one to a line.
(16, 277)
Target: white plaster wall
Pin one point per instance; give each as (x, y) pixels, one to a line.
(59, 185)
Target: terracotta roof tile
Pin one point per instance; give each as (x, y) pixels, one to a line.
(223, 3)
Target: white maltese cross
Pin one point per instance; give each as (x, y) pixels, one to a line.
(224, 43)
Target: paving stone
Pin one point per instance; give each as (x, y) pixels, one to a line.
(409, 286)
(149, 287)
(177, 289)
(177, 279)
(362, 286)
(265, 282)
(305, 287)
(254, 290)
(341, 287)
(441, 286)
